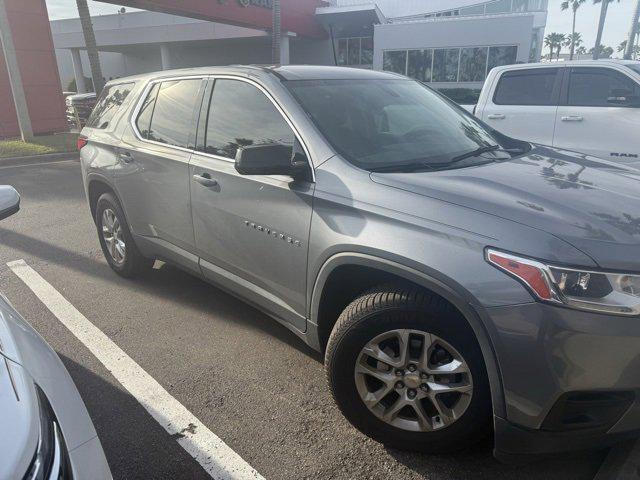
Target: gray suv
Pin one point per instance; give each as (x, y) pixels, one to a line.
(457, 280)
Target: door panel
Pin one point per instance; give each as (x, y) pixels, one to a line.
(524, 105)
(590, 123)
(256, 228)
(250, 231)
(152, 177)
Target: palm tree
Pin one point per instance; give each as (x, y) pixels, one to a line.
(574, 5)
(276, 33)
(90, 42)
(604, 52)
(635, 50)
(603, 16)
(574, 41)
(554, 40)
(581, 50)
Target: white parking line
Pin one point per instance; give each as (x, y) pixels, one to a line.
(216, 457)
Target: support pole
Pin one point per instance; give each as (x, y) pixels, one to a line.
(633, 31)
(77, 70)
(276, 33)
(15, 78)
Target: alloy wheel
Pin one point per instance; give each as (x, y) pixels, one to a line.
(413, 380)
(113, 236)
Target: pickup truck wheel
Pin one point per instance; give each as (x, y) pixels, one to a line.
(116, 240)
(405, 369)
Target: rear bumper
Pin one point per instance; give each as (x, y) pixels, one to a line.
(571, 380)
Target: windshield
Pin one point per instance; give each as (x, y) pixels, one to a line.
(634, 66)
(382, 124)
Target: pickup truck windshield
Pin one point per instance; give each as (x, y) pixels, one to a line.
(386, 125)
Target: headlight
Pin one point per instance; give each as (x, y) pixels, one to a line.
(616, 293)
(50, 461)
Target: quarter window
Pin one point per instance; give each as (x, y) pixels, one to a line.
(241, 115)
(110, 101)
(527, 87)
(601, 87)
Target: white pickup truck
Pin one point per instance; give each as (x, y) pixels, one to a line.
(592, 107)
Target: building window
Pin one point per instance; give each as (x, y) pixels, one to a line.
(499, 56)
(395, 61)
(355, 51)
(420, 65)
(449, 65)
(445, 64)
(473, 64)
(505, 6)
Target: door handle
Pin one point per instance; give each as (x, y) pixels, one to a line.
(205, 180)
(573, 118)
(125, 157)
(496, 116)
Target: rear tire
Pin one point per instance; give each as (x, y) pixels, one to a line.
(116, 240)
(408, 406)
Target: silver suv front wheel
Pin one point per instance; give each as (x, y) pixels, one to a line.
(405, 368)
(413, 380)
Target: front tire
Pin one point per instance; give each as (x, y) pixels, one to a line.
(405, 369)
(116, 240)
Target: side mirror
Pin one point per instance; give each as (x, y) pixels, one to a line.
(271, 159)
(9, 201)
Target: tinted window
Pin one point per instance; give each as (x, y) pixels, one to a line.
(596, 87)
(241, 115)
(172, 117)
(108, 104)
(146, 111)
(473, 64)
(527, 87)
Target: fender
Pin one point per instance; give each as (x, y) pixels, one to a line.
(460, 298)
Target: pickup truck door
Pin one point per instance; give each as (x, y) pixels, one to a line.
(524, 104)
(251, 231)
(600, 114)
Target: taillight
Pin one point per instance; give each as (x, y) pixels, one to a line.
(82, 141)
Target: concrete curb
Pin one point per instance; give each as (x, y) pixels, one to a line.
(622, 463)
(34, 159)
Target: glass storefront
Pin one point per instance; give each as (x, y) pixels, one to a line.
(449, 65)
(356, 52)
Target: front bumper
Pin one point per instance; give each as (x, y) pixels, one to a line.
(571, 379)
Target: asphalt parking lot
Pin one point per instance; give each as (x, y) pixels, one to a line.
(249, 380)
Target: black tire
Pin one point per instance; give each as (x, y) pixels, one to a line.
(134, 262)
(396, 306)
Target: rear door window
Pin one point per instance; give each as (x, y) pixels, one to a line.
(537, 86)
(172, 119)
(111, 99)
(601, 87)
(241, 115)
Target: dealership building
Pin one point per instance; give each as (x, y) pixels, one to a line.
(449, 43)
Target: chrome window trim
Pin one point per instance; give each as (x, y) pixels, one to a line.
(281, 110)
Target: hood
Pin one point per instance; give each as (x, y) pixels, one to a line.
(20, 420)
(590, 203)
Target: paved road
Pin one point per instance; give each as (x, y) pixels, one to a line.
(249, 380)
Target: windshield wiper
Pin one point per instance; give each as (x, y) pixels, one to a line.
(473, 153)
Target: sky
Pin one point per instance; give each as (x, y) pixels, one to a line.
(616, 29)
